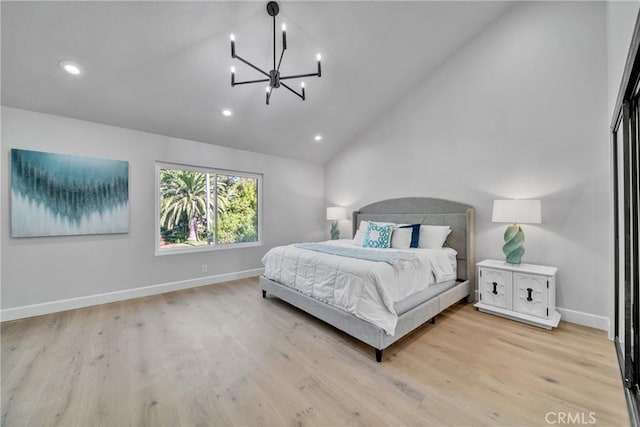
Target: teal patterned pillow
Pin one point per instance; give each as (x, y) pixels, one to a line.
(378, 236)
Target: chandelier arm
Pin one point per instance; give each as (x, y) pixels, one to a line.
(274, 42)
(280, 62)
(298, 76)
(250, 81)
(251, 65)
(292, 90)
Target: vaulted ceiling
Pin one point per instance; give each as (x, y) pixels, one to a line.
(163, 67)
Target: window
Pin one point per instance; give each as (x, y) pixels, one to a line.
(204, 209)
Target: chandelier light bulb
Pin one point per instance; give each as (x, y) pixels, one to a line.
(302, 84)
(232, 37)
(233, 69)
(318, 57)
(268, 89)
(284, 27)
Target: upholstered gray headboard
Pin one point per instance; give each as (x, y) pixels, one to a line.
(424, 210)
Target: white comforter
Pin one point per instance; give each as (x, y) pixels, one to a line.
(366, 289)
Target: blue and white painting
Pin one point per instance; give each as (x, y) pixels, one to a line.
(58, 195)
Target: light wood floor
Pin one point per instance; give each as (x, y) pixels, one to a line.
(222, 355)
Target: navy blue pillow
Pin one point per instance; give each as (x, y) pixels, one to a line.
(415, 234)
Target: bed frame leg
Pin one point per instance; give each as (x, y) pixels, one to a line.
(264, 293)
(433, 320)
(378, 355)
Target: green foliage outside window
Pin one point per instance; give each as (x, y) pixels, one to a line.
(239, 220)
(232, 208)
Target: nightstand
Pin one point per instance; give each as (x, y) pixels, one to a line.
(523, 292)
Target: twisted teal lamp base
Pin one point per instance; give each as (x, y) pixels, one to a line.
(513, 244)
(335, 231)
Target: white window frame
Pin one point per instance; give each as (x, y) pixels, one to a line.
(213, 246)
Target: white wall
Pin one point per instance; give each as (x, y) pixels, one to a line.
(40, 270)
(621, 20)
(519, 112)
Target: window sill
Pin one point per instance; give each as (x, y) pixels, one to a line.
(208, 248)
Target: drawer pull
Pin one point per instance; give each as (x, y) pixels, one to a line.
(495, 288)
(529, 291)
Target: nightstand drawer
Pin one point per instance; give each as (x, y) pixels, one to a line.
(532, 294)
(496, 288)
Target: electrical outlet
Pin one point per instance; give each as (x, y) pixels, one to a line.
(204, 268)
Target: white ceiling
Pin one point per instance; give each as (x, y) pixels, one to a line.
(163, 67)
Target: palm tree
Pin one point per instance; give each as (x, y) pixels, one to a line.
(222, 193)
(183, 192)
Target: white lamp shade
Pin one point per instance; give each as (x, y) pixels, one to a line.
(336, 213)
(517, 211)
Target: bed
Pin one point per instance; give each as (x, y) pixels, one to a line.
(416, 309)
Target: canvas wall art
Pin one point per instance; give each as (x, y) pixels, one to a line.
(58, 194)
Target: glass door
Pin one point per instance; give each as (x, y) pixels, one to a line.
(625, 134)
(626, 187)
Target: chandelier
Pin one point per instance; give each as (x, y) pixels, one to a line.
(273, 77)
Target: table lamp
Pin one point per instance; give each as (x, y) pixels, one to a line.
(335, 214)
(516, 212)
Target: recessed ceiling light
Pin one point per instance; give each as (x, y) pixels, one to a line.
(227, 112)
(70, 67)
(317, 138)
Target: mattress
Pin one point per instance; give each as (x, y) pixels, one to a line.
(419, 297)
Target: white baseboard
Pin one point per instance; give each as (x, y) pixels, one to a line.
(585, 319)
(581, 318)
(87, 301)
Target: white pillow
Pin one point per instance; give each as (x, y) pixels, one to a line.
(358, 239)
(433, 236)
(401, 238)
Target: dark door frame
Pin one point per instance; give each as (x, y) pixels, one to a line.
(625, 133)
